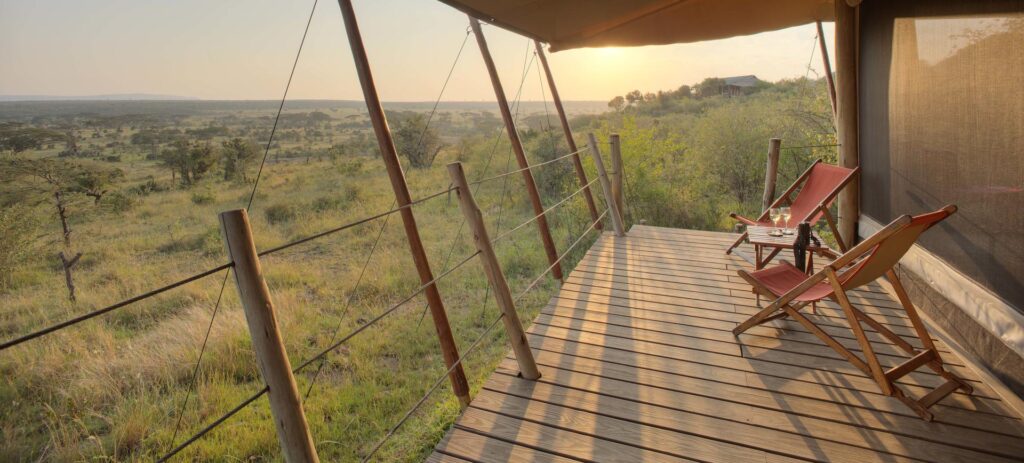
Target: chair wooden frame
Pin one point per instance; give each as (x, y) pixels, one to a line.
(785, 199)
(783, 306)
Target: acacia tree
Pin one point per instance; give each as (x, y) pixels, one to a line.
(237, 154)
(64, 181)
(416, 141)
(191, 160)
(617, 103)
(17, 138)
(634, 97)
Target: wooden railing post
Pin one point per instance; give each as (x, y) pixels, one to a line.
(285, 405)
(517, 148)
(389, 154)
(606, 187)
(577, 164)
(828, 69)
(617, 175)
(771, 173)
(496, 277)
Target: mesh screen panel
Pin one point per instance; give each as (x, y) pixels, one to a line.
(942, 121)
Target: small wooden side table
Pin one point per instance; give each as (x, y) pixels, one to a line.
(761, 239)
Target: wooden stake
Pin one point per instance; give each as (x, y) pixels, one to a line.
(577, 164)
(606, 187)
(846, 116)
(394, 167)
(771, 173)
(617, 175)
(285, 405)
(517, 148)
(492, 268)
(828, 69)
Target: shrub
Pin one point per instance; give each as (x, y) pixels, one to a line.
(350, 167)
(19, 229)
(280, 213)
(119, 202)
(203, 197)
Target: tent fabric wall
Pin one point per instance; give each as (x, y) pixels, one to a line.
(566, 24)
(942, 121)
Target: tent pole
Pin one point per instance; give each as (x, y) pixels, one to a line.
(517, 148)
(576, 162)
(828, 69)
(394, 167)
(846, 116)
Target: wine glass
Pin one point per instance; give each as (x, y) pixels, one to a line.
(775, 214)
(786, 213)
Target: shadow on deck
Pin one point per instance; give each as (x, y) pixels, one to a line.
(639, 364)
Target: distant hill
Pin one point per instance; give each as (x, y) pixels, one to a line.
(17, 107)
(111, 97)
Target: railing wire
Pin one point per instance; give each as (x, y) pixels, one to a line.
(440, 380)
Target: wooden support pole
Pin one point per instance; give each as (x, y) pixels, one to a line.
(517, 148)
(771, 173)
(828, 69)
(394, 167)
(285, 404)
(606, 187)
(496, 277)
(577, 164)
(616, 173)
(846, 116)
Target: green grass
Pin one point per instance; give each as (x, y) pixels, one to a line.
(110, 388)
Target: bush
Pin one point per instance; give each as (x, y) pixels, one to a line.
(19, 228)
(119, 202)
(280, 213)
(350, 167)
(203, 197)
(149, 186)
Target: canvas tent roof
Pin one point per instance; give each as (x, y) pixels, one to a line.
(566, 24)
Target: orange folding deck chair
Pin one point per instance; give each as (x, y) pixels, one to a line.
(791, 290)
(820, 184)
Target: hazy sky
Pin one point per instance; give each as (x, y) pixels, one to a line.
(225, 49)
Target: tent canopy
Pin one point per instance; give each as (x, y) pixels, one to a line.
(566, 24)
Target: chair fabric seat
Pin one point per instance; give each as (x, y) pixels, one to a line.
(783, 277)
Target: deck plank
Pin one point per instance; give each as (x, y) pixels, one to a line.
(638, 363)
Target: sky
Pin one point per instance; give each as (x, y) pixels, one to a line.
(233, 49)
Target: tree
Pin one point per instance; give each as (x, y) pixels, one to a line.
(416, 141)
(175, 159)
(191, 161)
(634, 97)
(95, 183)
(684, 91)
(17, 138)
(70, 145)
(201, 158)
(237, 154)
(63, 180)
(710, 87)
(617, 103)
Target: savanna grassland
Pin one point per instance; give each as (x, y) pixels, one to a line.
(141, 184)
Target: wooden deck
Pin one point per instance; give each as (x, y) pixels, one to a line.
(639, 364)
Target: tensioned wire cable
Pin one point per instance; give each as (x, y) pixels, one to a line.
(252, 196)
(380, 233)
(483, 173)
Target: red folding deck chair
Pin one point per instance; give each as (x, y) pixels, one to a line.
(821, 183)
(791, 290)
